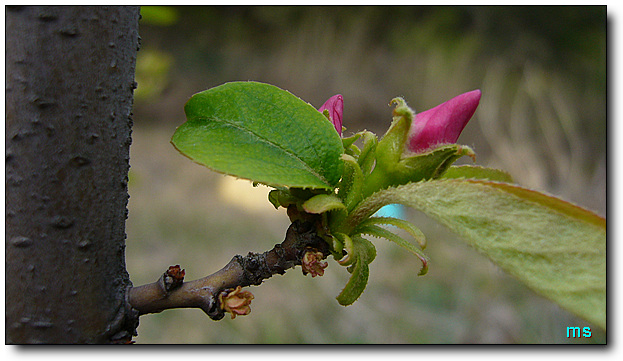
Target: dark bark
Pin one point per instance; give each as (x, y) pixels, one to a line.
(69, 86)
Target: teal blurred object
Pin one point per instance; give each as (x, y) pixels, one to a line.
(392, 210)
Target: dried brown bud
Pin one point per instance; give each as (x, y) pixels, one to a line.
(236, 301)
(177, 273)
(173, 277)
(312, 263)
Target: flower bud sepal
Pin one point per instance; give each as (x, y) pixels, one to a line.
(396, 165)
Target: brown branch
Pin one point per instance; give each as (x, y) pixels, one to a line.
(171, 292)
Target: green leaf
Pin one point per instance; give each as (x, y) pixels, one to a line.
(356, 284)
(430, 165)
(416, 167)
(351, 183)
(323, 203)
(556, 248)
(363, 253)
(366, 159)
(390, 148)
(342, 242)
(477, 172)
(262, 133)
(399, 223)
(347, 142)
(379, 232)
(281, 198)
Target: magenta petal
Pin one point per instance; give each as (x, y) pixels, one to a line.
(335, 106)
(444, 123)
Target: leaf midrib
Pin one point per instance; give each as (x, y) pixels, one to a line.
(268, 142)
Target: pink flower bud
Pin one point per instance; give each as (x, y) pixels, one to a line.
(442, 124)
(335, 106)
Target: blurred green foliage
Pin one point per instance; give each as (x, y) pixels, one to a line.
(152, 72)
(542, 72)
(159, 15)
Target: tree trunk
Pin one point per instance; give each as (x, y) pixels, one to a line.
(69, 86)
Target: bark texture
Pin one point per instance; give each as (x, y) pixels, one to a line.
(69, 87)
(170, 291)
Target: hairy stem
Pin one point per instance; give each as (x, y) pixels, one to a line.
(171, 292)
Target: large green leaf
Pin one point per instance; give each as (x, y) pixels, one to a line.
(556, 248)
(260, 132)
(477, 172)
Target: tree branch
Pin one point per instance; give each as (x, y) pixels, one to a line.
(171, 292)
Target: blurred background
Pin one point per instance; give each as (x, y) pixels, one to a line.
(542, 117)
